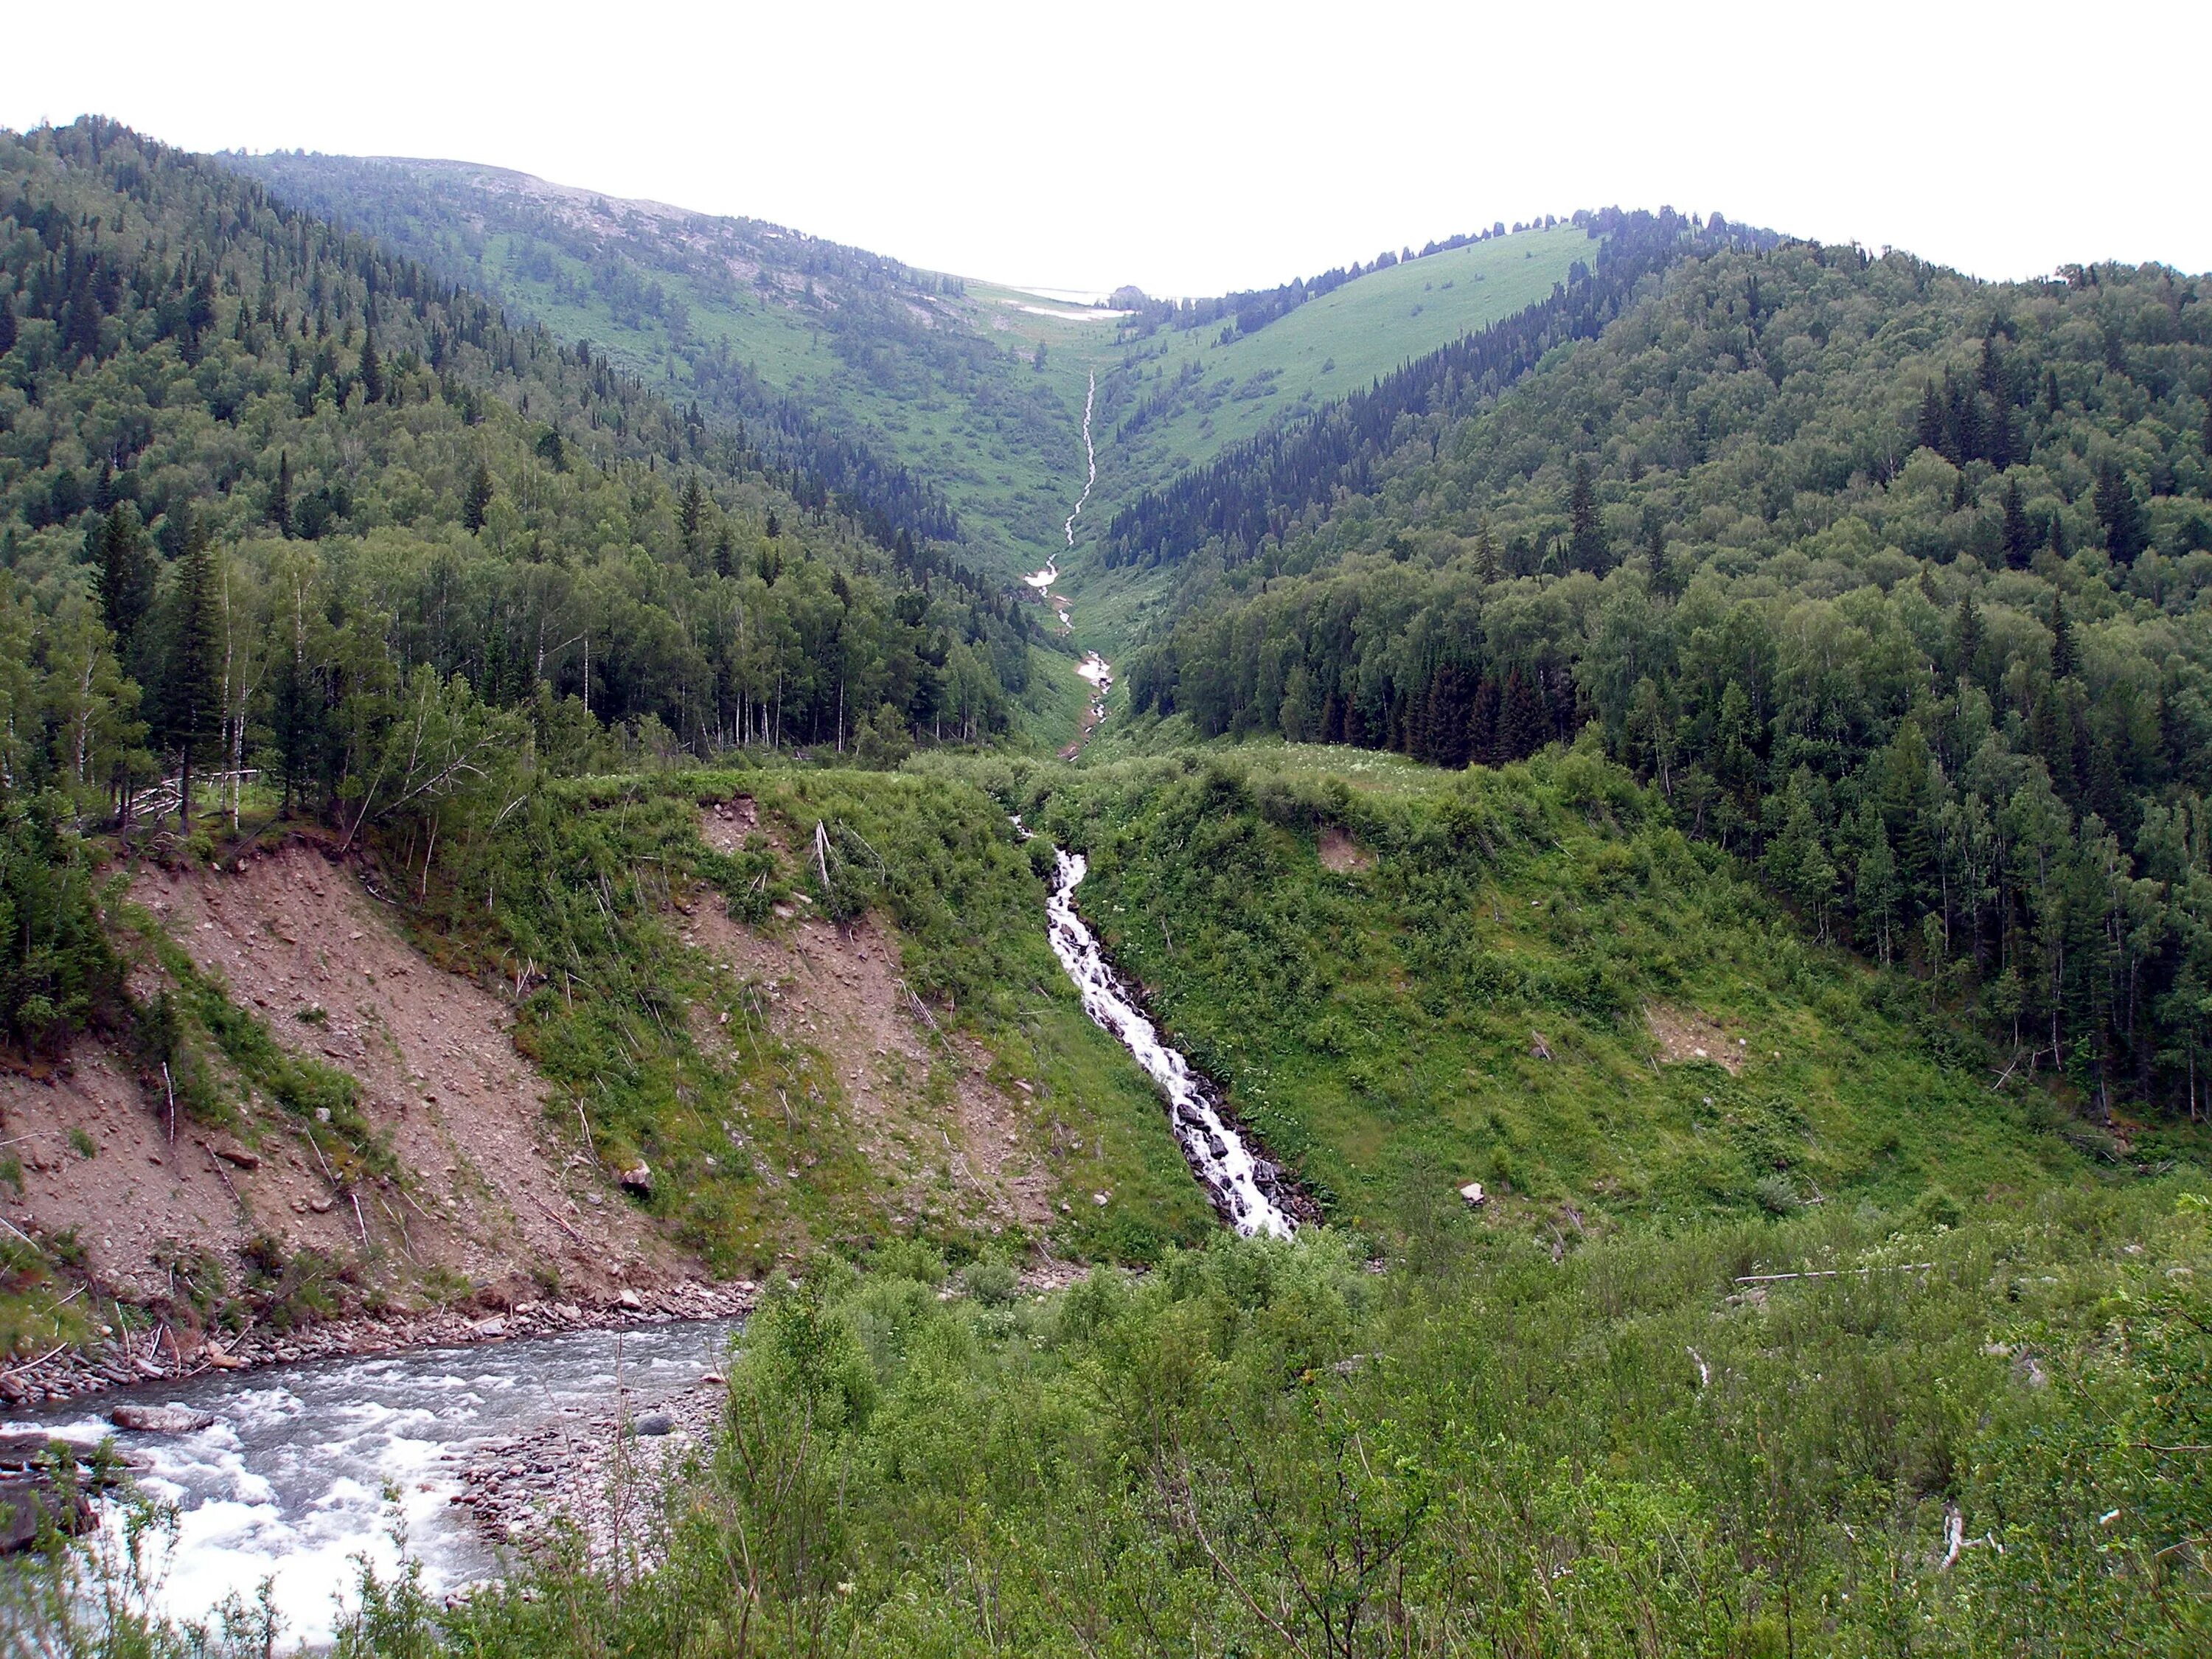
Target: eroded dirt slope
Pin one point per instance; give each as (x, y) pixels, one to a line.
(499, 1195)
(939, 1134)
(494, 1201)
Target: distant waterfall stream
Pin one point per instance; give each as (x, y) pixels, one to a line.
(1090, 461)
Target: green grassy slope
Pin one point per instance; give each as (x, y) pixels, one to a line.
(1383, 1027)
(1323, 349)
(1181, 398)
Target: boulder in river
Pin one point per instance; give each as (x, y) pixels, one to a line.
(31, 1493)
(653, 1423)
(160, 1420)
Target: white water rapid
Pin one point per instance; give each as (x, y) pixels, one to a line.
(289, 1484)
(1245, 1187)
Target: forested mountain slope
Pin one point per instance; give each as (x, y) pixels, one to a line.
(219, 414)
(1889, 580)
(929, 398)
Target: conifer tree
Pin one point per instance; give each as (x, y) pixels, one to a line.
(1520, 720)
(2065, 658)
(125, 575)
(280, 498)
(1967, 633)
(2019, 532)
(1586, 548)
(1930, 430)
(372, 369)
(192, 689)
(2121, 515)
(692, 520)
(475, 503)
(1485, 554)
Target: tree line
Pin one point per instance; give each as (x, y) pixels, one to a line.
(1889, 580)
(1258, 489)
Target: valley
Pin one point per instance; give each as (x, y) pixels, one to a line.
(742, 950)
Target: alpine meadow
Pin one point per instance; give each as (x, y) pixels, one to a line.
(712, 946)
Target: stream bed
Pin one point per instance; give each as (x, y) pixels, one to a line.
(290, 1482)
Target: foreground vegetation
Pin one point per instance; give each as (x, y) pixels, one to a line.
(1979, 1437)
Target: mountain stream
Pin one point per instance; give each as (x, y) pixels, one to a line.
(289, 1483)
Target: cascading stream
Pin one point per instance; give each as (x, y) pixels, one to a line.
(1095, 668)
(1248, 1190)
(289, 1484)
(1090, 461)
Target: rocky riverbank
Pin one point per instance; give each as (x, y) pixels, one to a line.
(602, 1473)
(138, 1358)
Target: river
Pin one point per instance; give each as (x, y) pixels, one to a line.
(289, 1483)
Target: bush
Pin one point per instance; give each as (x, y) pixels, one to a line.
(1777, 1194)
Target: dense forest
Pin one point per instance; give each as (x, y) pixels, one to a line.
(272, 499)
(1888, 579)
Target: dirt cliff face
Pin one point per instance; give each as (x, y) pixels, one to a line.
(939, 1135)
(496, 1195)
(495, 1199)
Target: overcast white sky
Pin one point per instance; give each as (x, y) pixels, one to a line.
(1194, 148)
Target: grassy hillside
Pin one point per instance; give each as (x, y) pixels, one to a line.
(1186, 394)
(1531, 978)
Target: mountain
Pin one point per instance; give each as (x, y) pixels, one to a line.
(921, 393)
(1660, 794)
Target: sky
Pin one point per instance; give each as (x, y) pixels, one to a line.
(1199, 149)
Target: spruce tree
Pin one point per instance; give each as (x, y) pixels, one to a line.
(1586, 548)
(372, 369)
(280, 498)
(477, 500)
(1966, 635)
(1930, 430)
(1520, 722)
(692, 520)
(2122, 515)
(2064, 658)
(295, 715)
(190, 711)
(2019, 532)
(125, 575)
(1487, 567)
